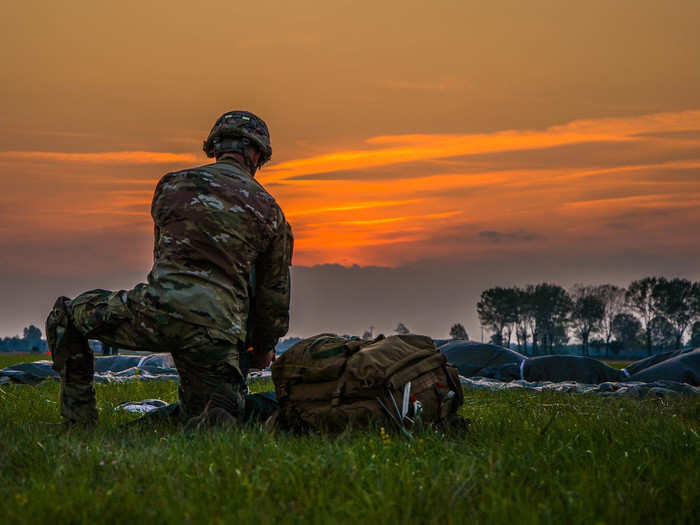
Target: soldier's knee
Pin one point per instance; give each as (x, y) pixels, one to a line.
(59, 329)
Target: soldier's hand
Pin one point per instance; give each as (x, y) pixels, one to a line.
(262, 359)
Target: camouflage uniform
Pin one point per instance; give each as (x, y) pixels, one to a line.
(219, 283)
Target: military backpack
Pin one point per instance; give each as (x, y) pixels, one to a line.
(331, 383)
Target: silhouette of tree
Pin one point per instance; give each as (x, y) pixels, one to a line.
(525, 323)
(695, 335)
(613, 298)
(626, 328)
(401, 329)
(497, 309)
(587, 313)
(674, 300)
(459, 332)
(663, 334)
(32, 334)
(551, 307)
(639, 298)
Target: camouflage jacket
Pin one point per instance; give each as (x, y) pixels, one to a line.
(222, 253)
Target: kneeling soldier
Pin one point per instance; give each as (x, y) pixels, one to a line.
(219, 284)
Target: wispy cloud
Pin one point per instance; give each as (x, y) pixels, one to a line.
(497, 237)
(403, 149)
(107, 157)
(350, 206)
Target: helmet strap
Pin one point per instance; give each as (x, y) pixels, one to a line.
(239, 146)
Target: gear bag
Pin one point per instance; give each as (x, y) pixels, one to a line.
(330, 382)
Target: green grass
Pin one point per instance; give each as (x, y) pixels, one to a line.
(617, 364)
(12, 358)
(529, 458)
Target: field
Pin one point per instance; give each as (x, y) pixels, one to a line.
(529, 458)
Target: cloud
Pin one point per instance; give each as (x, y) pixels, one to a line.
(580, 183)
(682, 134)
(108, 157)
(402, 149)
(351, 206)
(580, 156)
(498, 237)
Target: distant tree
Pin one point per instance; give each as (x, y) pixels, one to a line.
(615, 347)
(663, 334)
(613, 298)
(587, 313)
(640, 300)
(13, 344)
(695, 301)
(597, 344)
(497, 309)
(459, 332)
(551, 306)
(558, 337)
(626, 328)
(695, 335)
(525, 317)
(674, 300)
(32, 334)
(401, 329)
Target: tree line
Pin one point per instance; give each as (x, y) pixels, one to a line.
(652, 313)
(30, 340)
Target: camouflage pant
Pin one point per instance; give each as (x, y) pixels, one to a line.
(208, 361)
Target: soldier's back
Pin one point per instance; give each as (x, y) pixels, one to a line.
(212, 222)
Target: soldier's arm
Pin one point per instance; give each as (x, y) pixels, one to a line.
(271, 315)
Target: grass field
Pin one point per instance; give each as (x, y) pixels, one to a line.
(529, 458)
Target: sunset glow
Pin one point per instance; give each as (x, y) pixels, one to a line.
(386, 203)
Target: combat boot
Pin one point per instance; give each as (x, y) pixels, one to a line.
(74, 361)
(225, 408)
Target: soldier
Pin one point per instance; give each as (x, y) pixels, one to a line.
(219, 285)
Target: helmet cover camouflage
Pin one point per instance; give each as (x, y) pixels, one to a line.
(235, 130)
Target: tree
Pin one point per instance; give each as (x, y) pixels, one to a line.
(663, 334)
(525, 318)
(32, 335)
(458, 332)
(695, 335)
(674, 300)
(626, 328)
(497, 309)
(551, 306)
(597, 344)
(587, 313)
(401, 329)
(613, 298)
(639, 298)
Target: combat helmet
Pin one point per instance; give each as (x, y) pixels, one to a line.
(233, 132)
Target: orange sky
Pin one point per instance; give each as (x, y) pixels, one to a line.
(458, 131)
